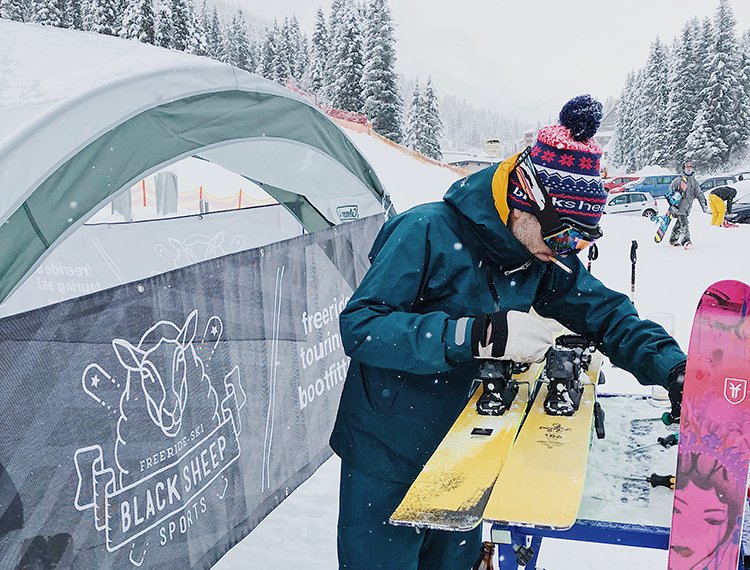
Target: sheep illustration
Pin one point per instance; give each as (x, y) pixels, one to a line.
(165, 402)
(163, 371)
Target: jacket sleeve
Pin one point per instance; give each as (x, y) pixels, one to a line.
(701, 197)
(380, 327)
(584, 305)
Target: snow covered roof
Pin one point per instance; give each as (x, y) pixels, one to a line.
(653, 171)
(455, 157)
(84, 116)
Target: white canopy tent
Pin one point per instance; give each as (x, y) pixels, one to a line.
(84, 117)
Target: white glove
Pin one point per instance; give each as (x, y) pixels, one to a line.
(513, 335)
(529, 337)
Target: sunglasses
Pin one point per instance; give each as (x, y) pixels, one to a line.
(562, 235)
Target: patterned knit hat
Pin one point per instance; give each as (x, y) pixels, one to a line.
(567, 158)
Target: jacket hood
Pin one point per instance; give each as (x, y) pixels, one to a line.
(482, 198)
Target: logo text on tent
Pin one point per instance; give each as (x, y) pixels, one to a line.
(348, 213)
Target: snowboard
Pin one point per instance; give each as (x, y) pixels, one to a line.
(451, 490)
(541, 484)
(662, 225)
(663, 222)
(714, 446)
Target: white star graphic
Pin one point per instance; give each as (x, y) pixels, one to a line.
(95, 381)
(214, 330)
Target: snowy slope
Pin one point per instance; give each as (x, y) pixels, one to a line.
(301, 532)
(408, 181)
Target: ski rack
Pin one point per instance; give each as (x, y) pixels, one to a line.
(508, 539)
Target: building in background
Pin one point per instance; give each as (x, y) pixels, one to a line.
(527, 139)
(468, 161)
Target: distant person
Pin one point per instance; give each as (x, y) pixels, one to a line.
(687, 189)
(720, 200)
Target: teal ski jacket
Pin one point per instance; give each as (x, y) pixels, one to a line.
(412, 371)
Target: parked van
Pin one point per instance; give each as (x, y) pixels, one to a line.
(657, 186)
(715, 181)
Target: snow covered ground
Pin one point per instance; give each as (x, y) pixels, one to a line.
(301, 532)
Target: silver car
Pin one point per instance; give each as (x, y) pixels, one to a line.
(633, 203)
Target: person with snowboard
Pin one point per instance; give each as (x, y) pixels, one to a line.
(682, 192)
(720, 200)
(478, 275)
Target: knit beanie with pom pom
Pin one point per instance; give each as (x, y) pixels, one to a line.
(567, 158)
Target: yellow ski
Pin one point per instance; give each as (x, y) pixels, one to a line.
(542, 482)
(453, 487)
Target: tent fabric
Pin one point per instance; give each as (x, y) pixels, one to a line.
(190, 383)
(104, 255)
(84, 116)
(167, 192)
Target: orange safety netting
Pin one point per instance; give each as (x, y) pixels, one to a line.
(359, 123)
(144, 195)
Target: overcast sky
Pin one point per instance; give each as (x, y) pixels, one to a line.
(524, 58)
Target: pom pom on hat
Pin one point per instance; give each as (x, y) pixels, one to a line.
(582, 116)
(568, 159)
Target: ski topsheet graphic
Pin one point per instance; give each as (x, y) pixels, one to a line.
(542, 481)
(714, 446)
(452, 488)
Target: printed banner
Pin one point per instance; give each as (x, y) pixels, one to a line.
(99, 256)
(156, 423)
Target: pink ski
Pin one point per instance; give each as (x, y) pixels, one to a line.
(714, 448)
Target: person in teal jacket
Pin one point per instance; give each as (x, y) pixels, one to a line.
(449, 282)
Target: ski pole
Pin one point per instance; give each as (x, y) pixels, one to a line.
(669, 441)
(666, 418)
(633, 260)
(593, 255)
(656, 480)
(661, 481)
(665, 442)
